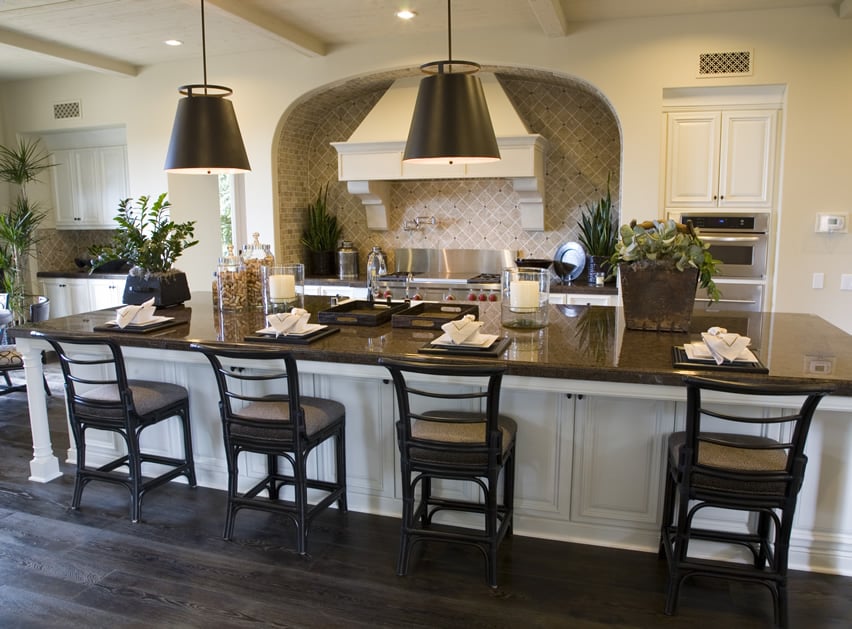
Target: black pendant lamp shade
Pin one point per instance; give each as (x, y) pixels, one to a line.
(451, 123)
(206, 137)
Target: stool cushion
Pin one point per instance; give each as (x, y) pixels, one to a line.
(10, 358)
(319, 414)
(466, 428)
(739, 459)
(147, 397)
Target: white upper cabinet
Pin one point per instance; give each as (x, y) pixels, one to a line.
(88, 184)
(722, 159)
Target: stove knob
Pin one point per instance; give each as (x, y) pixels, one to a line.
(417, 297)
(388, 293)
(471, 296)
(449, 298)
(492, 297)
(483, 297)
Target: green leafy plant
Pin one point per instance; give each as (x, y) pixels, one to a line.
(19, 165)
(146, 237)
(598, 228)
(667, 240)
(322, 232)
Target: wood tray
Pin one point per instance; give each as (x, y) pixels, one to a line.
(492, 351)
(681, 361)
(361, 312)
(292, 339)
(432, 315)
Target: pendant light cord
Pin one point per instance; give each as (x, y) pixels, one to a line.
(203, 46)
(449, 31)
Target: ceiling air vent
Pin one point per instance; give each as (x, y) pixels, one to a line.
(67, 110)
(713, 64)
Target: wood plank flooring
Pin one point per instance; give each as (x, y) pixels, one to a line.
(94, 568)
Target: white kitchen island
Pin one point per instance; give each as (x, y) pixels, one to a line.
(593, 414)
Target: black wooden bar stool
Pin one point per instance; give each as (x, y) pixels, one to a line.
(263, 412)
(759, 473)
(472, 444)
(99, 396)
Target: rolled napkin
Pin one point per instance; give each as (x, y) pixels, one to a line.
(462, 329)
(723, 345)
(138, 315)
(291, 322)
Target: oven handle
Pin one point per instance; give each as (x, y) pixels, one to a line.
(730, 238)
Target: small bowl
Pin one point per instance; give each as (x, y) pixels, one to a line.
(563, 269)
(537, 263)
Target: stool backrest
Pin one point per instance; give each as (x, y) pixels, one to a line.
(95, 377)
(475, 386)
(262, 384)
(771, 448)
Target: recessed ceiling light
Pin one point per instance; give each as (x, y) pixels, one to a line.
(405, 14)
(173, 42)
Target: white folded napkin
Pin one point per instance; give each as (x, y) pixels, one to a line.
(138, 315)
(291, 322)
(462, 329)
(723, 345)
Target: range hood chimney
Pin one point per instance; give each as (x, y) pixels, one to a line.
(372, 157)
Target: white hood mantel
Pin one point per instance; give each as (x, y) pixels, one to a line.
(372, 157)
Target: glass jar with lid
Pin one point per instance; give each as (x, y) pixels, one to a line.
(256, 256)
(231, 281)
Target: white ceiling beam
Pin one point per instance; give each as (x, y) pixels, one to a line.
(88, 60)
(307, 44)
(550, 17)
(844, 9)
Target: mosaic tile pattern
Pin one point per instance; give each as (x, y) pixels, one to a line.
(584, 147)
(56, 249)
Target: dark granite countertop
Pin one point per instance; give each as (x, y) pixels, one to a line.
(580, 342)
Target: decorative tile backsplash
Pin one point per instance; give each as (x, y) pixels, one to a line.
(56, 249)
(584, 147)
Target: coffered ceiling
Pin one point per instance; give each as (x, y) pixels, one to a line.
(50, 37)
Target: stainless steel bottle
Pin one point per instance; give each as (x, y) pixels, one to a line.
(347, 261)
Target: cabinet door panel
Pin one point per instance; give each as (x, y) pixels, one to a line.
(746, 171)
(692, 163)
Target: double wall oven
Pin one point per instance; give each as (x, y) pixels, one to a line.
(741, 242)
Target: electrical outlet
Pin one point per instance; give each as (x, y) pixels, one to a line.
(822, 365)
(846, 281)
(836, 223)
(818, 280)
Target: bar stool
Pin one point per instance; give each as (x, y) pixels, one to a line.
(100, 396)
(758, 473)
(10, 358)
(263, 412)
(473, 444)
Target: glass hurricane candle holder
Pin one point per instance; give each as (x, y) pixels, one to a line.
(283, 287)
(525, 297)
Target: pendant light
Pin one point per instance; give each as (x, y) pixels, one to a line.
(451, 123)
(206, 137)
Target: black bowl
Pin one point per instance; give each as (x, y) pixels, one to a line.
(537, 263)
(563, 269)
(113, 266)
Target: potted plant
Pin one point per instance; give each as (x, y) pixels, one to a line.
(20, 221)
(598, 233)
(321, 235)
(661, 263)
(150, 241)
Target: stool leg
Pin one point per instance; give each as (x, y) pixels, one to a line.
(134, 464)
(509, 490)
(188, 456)
(79, 483)
(340, 445)
(233, 482)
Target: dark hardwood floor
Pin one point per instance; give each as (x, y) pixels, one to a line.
(94, 568)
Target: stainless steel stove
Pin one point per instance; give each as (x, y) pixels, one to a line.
(444, 275)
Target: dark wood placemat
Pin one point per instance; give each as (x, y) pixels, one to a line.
(492, 351)
(291, 339)
(137, 329)
(680, 360)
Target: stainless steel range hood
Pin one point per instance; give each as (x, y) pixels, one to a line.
(372, 157)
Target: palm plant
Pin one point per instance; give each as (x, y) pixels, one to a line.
(19, 165)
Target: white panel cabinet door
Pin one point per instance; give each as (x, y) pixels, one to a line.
(723, 159)
(88, 184)
(67, 295)
(105, 293)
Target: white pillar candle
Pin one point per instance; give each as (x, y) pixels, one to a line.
(523, 294)
(282, 287)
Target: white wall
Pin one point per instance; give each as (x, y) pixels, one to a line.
(630, 61)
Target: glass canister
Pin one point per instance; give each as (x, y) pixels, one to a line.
(347, 261)
(525, 297)
(231, 282)
(283, 287)
(256, 256)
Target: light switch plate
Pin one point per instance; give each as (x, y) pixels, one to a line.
(818, 280)
(832, 222)
(846, 281)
